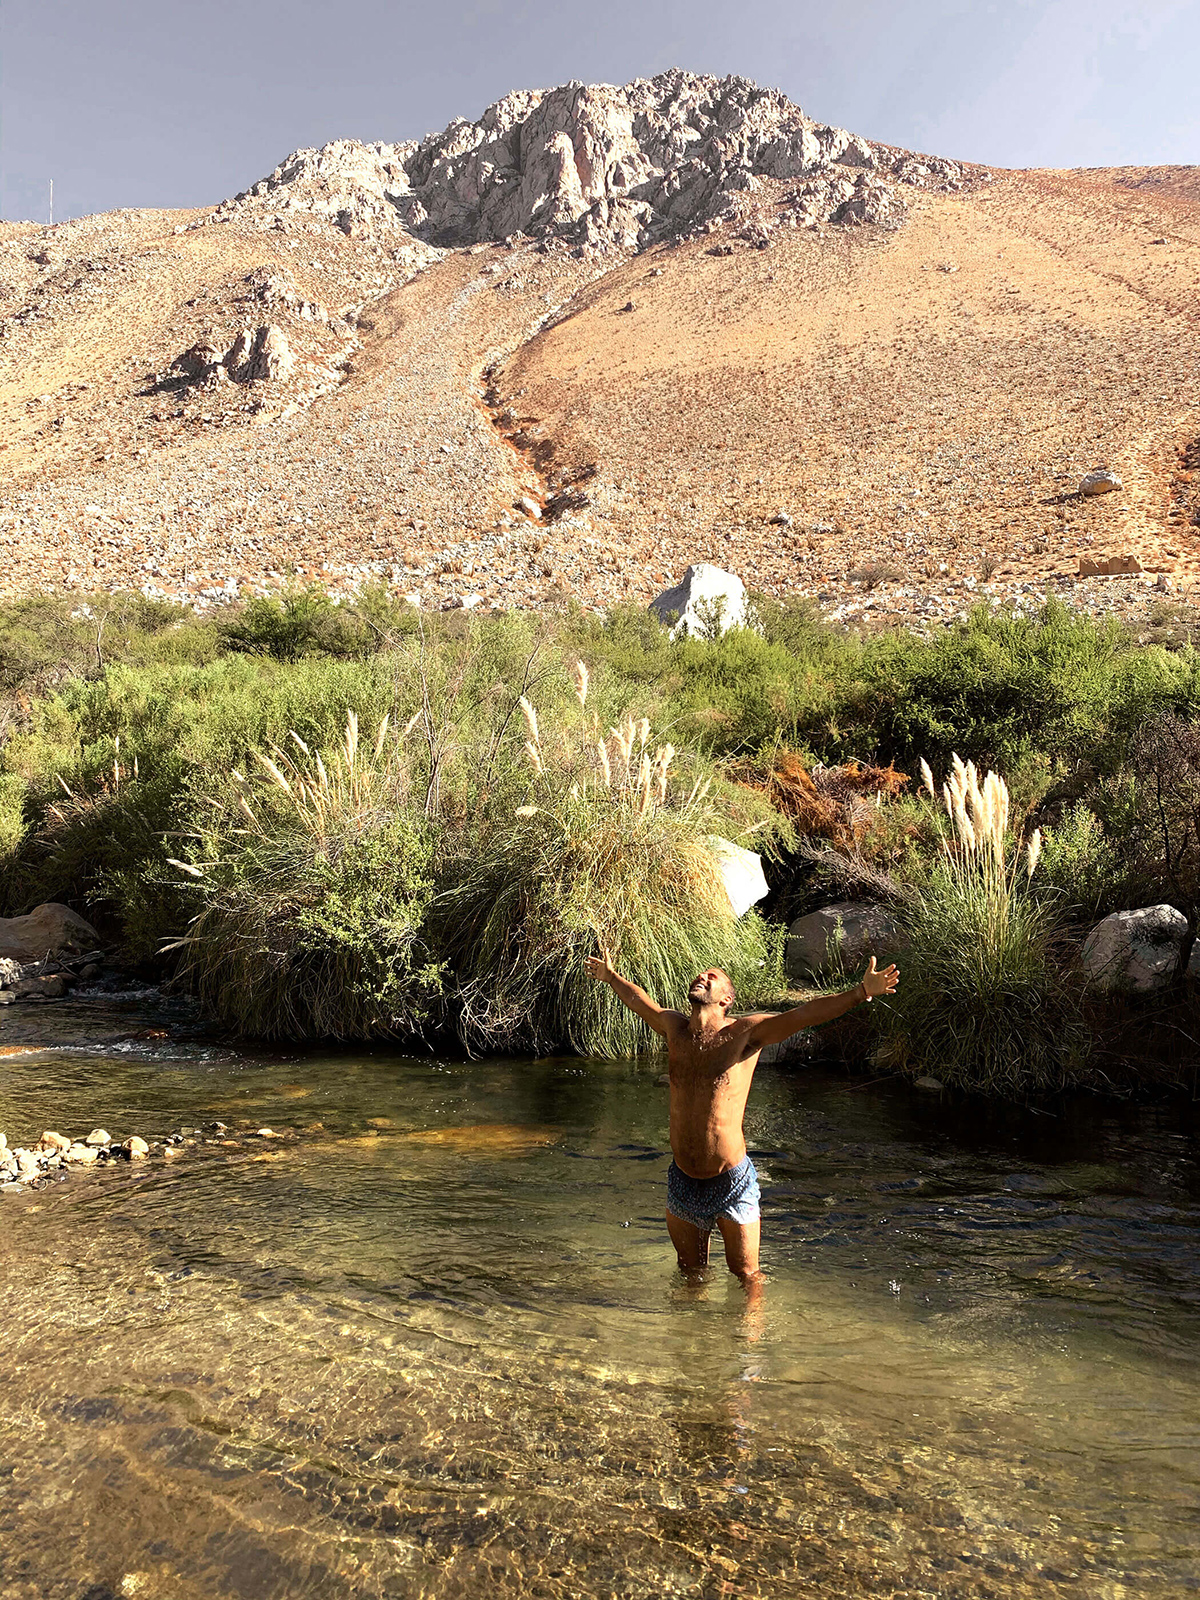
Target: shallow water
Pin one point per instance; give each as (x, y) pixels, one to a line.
(435, 1346)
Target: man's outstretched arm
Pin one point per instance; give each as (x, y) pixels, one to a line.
(638, 1001)
(774, 1028)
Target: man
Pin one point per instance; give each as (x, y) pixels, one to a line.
(712, 1058)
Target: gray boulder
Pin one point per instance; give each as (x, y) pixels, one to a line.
(1135, 952)
(707, 597)
(839, 938)
(47, 930)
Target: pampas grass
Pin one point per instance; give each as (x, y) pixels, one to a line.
(607, 851)
(314, 899)
(982, 1004)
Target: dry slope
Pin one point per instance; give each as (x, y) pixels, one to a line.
(595, 335)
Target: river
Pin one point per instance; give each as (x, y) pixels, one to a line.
(434, 1346)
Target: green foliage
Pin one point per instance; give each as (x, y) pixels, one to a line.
(981, 1004)
(314, 894)
(306, 622)
(1000, 688)
(1088, 866)
(537, 895)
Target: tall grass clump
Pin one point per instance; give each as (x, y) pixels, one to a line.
(315, 887)
(981, 1003)
(607, 851)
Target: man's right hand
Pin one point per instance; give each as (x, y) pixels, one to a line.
(600, 967)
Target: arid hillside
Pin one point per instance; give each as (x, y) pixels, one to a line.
(842, 370)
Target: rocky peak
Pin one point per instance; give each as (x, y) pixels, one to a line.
(600, 167)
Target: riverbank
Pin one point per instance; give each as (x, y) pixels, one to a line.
(356, 822)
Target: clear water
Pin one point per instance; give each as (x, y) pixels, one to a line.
(436, 1347)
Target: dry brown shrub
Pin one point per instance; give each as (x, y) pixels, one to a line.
(835, 803)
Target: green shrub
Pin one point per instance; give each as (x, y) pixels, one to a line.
(1086, 865)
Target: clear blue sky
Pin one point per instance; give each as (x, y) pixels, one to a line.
(182, 102)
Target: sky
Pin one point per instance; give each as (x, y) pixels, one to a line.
(184, 102)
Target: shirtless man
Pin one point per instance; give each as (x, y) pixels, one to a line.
(712, 1059)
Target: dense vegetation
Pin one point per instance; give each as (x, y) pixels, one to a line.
(500, 815)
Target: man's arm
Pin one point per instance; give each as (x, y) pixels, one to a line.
(638, 1001)
(774, 1028)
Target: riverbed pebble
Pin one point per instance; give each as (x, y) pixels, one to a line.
(136, 1148)
(98, 1136)
(54, 1141)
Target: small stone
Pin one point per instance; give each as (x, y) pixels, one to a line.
(28, 1165)
(1098, 481)
(97, 1137)
(926, 1081)
(265, 1133)
(530, 507)
(54, 1141)
(89, 970)
(136, 1148)
(81, 1155)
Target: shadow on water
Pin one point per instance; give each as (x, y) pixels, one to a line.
(435, 1347)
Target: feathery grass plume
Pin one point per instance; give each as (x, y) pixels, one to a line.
(605, 764)
(535, 756)
(580, 673)
(983, 1003)
(531, 721)
(927, 777)
(311, 919)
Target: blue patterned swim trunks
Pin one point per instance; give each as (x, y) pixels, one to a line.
(700, 1201)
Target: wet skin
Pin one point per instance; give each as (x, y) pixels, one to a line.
(711, 1059)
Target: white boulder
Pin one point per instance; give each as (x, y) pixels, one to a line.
(1135, 952)
(838, 939)
(708, 598)
(741, 873)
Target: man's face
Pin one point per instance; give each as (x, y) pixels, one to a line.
(711, 988)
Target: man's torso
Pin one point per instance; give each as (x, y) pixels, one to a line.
(710, 1080)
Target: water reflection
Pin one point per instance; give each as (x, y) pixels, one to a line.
(436, 1347)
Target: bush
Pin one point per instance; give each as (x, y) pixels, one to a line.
(981, 1004)
(603, 856)
(313, 907)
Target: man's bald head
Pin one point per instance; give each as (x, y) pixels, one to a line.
(713, 987)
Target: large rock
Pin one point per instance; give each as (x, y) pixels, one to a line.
(708, 597)
(741, 873)
(1135, 952)
(838, 939)
(263, 356)
(47, 930)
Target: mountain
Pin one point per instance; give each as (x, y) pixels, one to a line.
(600, 333)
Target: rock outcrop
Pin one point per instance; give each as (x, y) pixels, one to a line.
(602, 168)
(1135, 952)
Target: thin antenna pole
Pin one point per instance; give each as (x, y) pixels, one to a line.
(51, 202)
